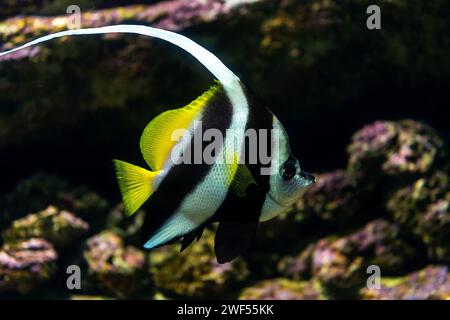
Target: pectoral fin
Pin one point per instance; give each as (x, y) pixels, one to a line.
(242, 180)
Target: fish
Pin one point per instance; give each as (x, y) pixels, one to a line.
(235, 189)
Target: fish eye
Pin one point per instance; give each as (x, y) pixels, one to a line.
(289, 170)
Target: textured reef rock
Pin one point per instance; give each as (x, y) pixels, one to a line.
(334, 199)
(59, 227)
(52, 7)
(331, 203)
(42, 190)
(27, 264)
(114, 267)
(308, 267)
(409, 204)
(341, 263)
(195, 272)
(170, 15)
(403, 165)
(395, 168)
(297, 267)
(398, 150)
(282, 289)
(334, 267)
(434, 228)
(430, 283)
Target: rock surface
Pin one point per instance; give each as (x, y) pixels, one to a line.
(26, 265)
(430, 283)
(409, 204)
(61, 228)
(116, 268)
(403, 150)
(434, 228)
(334, 199)
(341, 263)
(282, 289)
(195, 272)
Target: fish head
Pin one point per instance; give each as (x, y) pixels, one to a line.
(287, 185)
(287, 180)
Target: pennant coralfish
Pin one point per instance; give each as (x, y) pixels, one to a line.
(184, 196)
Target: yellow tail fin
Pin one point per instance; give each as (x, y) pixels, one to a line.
(135, 184)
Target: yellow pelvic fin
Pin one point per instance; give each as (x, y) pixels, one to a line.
(242, 179)
(157, 140)
(135, 184)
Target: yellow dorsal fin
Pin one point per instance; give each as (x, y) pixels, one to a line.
(157, 141)
(135, 184)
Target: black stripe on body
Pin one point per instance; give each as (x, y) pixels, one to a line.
(248, 209)
(182, 179)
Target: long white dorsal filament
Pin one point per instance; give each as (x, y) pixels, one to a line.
(209, 60)
(229, 80)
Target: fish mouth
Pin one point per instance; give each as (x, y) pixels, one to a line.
(309, 177)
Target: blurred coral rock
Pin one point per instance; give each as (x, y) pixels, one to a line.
(282, 289)
(334, 267)
(394, 149)
(409, 204)
(195, 272)
(27, 264)
(334, 199)
(297, 267)
(430, 283)
(116, 268)
(59, 227)
(434, 228)
(341, 263)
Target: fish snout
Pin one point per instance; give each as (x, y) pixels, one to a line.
(308, 177)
